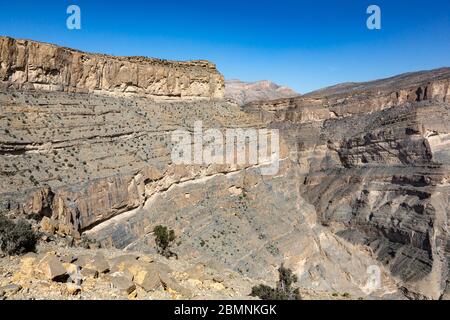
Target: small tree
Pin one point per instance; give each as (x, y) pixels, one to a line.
(16, 237)
(283, 291)
(164, 239)
(287, 278)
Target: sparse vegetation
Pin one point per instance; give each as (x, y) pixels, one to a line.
(16, 237)
(164, 239)
(283, 290)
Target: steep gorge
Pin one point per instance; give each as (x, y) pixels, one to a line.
(374, 160)
(362, 176)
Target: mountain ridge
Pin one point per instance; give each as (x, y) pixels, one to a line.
(243, 92)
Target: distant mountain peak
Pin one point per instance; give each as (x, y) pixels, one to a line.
(244, 92)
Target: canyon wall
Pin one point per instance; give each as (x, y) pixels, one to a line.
(32, 65)
(363, 177)
(374, 161)
(100, 165)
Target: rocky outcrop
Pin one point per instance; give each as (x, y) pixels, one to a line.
(32, 65)
(242, 92)
(58, 272)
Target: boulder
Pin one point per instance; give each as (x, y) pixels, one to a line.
(89, 273)
(73, 289)
(10, 289)
(28, 264)
(147, 259)
(218, 279)
(97, 263)
(52, 268)
(171, 285)
(74, 273)
(197, 272)
(147, 279)
(48, 225)
(68, 258)
(121, 263)
(123, 282)
(82, 260)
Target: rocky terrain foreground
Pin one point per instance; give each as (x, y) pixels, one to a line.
(61, 272)
(58, 271)
(85, 152)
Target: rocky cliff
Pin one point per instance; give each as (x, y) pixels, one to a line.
(32, 65)
(374, 160)
(362, 179)
(100, 165)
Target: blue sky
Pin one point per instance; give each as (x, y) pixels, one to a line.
(303, 44)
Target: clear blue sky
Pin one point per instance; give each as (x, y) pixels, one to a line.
(303, 44)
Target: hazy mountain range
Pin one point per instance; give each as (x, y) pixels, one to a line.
(244, 92)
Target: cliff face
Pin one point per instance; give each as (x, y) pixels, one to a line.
(374, 162)
(363, 177)
(34, 65)
(101, 165)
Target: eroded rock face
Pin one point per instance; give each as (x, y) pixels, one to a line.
(363, 172)
(34, 65)
(223, 221)
(374, 163)
(101, 166)
(83, 159)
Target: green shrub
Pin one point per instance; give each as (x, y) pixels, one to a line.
(16, 237)
(164, 239)
(283, 290)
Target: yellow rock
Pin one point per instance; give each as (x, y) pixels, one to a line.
(73, 289)
(217, 286)
(146, 259)
(133, 295)
(52, 268)
(28, 265)
(48, 225)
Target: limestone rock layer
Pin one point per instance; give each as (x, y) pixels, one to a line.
(363, 180)
(34, 65)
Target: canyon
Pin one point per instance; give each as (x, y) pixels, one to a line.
(85, 146)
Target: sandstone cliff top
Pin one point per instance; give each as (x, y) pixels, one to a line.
(37, 66)
(202, 63)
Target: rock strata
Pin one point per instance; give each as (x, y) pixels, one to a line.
(362, 182)
(31, 65)
(374, 163)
